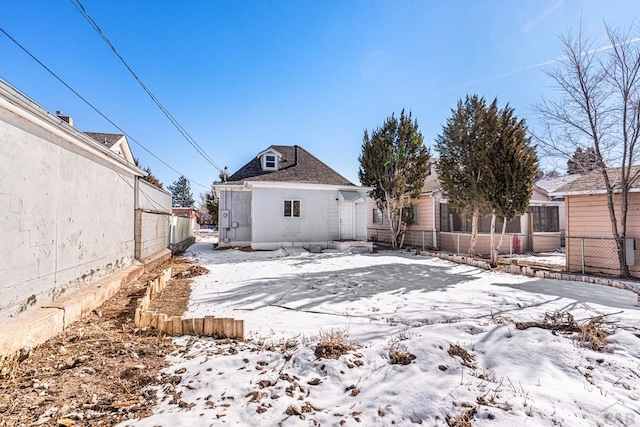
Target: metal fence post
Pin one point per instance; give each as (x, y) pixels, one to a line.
(458, 244)
(582, 255)
(423, 240)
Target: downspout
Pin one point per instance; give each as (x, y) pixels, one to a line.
(137, 236)
(434, 235)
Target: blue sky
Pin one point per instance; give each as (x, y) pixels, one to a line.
(242, 75)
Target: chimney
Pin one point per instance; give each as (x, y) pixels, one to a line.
(295, 155)
(67, 119)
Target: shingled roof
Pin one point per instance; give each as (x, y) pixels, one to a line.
(550, 184)
(108, 139)
(593, 182)
(307, 169)
(432, 183)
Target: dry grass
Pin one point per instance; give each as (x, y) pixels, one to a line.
(592, 331)
(333, 344)
(398, 354)
(466, 358)
(464, 418)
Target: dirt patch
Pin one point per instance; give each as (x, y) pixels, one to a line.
(174, 298)
(93, 373)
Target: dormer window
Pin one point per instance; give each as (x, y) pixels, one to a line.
(270, 161)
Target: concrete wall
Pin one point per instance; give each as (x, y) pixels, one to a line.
(67, 209)
(153, 199)
(153, 218)
(154, 230)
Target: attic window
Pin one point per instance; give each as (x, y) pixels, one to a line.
(270, 162)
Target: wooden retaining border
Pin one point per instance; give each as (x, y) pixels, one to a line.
(542, 273)
(208, 326)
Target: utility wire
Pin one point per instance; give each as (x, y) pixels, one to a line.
(94, 108)
(78, 5)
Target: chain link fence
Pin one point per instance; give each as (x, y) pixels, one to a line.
(586, 255)
(597, 255)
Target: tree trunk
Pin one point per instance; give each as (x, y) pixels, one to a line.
(392, 229)
(619, 238)
(474, 231)
(494, 253)
(624, 268)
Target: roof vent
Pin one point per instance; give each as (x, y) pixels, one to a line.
(67, 119)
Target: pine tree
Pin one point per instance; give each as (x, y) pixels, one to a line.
(513, 166)
(487, 165)
(212, 206)
(181, 193)
(582, 161)
(150, 178)
(395, 162)
(462, 165)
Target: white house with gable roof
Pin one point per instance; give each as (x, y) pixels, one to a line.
(285, 196)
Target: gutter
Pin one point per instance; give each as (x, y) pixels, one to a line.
(434, 234)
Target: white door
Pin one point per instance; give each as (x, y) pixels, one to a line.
(346, 221)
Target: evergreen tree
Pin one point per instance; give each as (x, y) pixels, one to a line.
(150, 178)
(463, 166)
(181, 193)
(582, 161)
(395, 162)
(212, 206)
(487, 165)
(513, 166)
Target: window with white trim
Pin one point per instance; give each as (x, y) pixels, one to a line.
(377, 216)
(270, 161)
(292, 208)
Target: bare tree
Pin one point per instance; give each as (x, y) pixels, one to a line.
(598, 109)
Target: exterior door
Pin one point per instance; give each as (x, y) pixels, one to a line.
(346, 221)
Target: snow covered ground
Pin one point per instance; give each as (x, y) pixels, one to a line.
(458, 321)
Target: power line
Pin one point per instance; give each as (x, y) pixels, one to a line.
(78, 5)
(94, 108)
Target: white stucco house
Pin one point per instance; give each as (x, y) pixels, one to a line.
(285, 196)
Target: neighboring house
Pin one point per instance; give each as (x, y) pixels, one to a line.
(590, 246)
(186, 213)
(287, 197)
(547, 208)
(72, 209)
(115, 142)
(435, 225)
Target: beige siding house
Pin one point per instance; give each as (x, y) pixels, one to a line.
(436, 226)
(590, 244)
